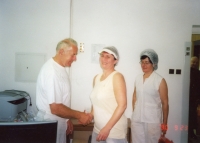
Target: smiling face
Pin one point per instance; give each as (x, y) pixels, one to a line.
(146, 65)
(68, 56)
(107, 61)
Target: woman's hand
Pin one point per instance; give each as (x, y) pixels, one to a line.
(103, 134)
(164, 129)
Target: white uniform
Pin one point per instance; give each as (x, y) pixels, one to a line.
(147, 114)
(104, 104)
(53, 86)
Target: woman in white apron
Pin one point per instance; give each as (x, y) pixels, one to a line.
(150, 102)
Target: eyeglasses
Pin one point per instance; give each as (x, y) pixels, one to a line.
(144, 63)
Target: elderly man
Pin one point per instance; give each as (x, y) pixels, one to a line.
(53, 89)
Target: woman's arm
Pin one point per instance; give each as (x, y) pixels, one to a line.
(163, 90)
(92, 113)
(119, 87)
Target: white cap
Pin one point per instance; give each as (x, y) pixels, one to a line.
(111, 50)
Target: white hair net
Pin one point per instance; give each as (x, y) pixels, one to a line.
(152, 56)
(111, 50)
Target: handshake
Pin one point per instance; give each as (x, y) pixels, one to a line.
(85, 118)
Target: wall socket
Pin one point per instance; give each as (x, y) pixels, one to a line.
(178, 71)
(171, 71)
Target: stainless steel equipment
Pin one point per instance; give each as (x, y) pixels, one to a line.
(12, 102)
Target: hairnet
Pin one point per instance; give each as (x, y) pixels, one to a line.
(111, 50)
(152, 56)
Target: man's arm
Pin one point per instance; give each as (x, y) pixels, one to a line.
(65, 112)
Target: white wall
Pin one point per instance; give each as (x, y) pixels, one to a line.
(30, 27)
(131, 26)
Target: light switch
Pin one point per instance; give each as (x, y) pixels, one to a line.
(81, 47)
(178, 71)
(171, 71)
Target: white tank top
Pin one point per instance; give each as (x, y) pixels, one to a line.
(104, 105)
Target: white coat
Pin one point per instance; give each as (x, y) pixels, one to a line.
(148, 107)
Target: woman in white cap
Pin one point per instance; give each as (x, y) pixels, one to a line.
(109, 101)
(150, 102)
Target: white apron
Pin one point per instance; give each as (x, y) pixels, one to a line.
(147, 114)
(61, 128)
(53, 86)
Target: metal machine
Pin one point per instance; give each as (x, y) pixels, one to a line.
(12, 102)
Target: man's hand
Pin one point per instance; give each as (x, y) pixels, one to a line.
(85, 118)
(70, 127)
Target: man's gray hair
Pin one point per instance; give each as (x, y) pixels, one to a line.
(66, 43)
